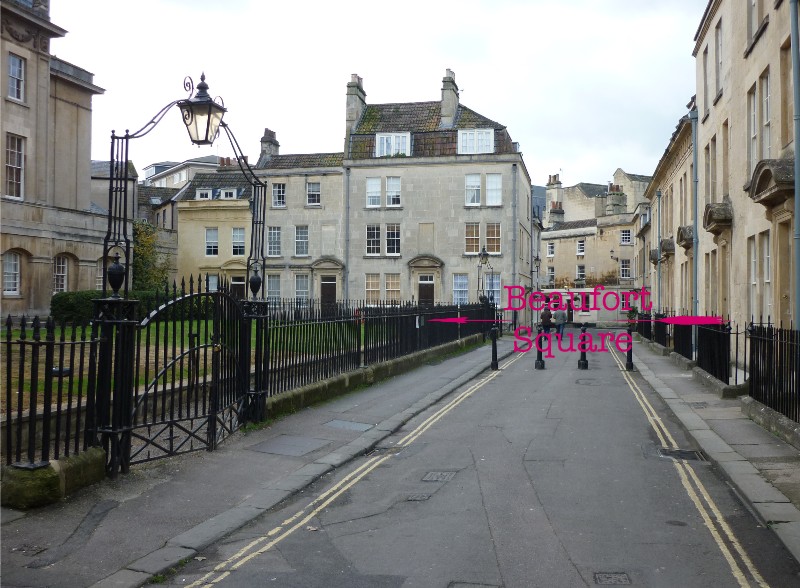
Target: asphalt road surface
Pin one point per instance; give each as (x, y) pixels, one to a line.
(523, 478)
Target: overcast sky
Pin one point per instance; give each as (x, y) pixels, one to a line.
(585, 86)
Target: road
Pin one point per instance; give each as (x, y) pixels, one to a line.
(523, 478)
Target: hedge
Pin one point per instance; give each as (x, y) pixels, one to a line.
(78, 307)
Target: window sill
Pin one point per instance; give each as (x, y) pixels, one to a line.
(717, 97)
(705, 117)
(301, 256)
(472, 206)
(386, 256)
(273, 207)
(313, 206)
(14, 198)
(758, 34)
(12, 296)
(17, 102)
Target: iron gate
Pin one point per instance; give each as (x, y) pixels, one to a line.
(191, 377)
(174, 382)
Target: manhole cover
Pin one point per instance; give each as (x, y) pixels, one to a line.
(348, 425)
(698, 404)
(680, 454)
(439, 476)
(418, 497)
(611, 578)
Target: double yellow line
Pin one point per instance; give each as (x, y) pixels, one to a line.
(266, 542)
(722, 533)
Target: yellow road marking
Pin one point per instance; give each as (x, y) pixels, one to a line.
(249, 551)
(685, 473)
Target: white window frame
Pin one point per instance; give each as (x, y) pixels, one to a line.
(766, 274)
(314, 193)
(60, 274)
(718, 56)
(472, 243)
(392, 287)
(460, 288)
(551, 249)
(373, 235)
(228, 193)
(753, 124)
(372, 288)
(472, 190)
(393, 239)
(273, 241)
(475, 141)
(494, 242)
(625, 268)
(15, 167)
(551, 275)
(301, 240)
(212, 241)
(494, 189)
(493, 287)
(392, 144)
(11, 273)
(16, 77)
(580, 272)
(580, 247)
(393, 191)
(238, 241)
(625, 237)
(373, 192)
(279, 195)
(212, 282)
(302, 288)
(273, 286)
(98, 277)
(203, 194)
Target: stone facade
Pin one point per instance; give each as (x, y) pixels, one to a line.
(52, 231)
(745, 183)
(401, 214)
(589, 235)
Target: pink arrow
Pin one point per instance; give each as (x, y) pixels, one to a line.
(681, 320)
(462, 319)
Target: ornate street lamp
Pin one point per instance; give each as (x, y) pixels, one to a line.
(202, 116)
(483, 261)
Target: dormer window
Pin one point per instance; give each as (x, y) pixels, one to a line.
(228, 193)
(474, 141)
(203, 194)
(390, 144)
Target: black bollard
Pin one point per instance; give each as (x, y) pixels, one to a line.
(583, 363)
(629, 358)
(539, 364)
(493, 335)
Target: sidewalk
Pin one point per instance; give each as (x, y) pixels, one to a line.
(122, 532)
(763, 469)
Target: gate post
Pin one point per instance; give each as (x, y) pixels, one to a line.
(115, 379)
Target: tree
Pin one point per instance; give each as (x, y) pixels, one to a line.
(150, 270)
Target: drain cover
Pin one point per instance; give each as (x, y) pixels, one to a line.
(439, 476)
(698, 404)
(418, 497)
(611, 578)
(681, 454)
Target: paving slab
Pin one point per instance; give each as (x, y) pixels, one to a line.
(161, 559)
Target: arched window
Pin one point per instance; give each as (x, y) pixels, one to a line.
(11, 273)
(60, 274)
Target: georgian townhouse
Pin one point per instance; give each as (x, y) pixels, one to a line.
(745, 146)
(428, 186)
(589, 233)
(52, 231)
(214, 230)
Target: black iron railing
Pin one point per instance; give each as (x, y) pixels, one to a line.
(714, 351)
(661, 330)
(644, 326)
(49, 390)
(774, 358)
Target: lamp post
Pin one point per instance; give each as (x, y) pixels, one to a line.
(202, 116)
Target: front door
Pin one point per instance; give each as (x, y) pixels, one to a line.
(426, 289)
(327, 290)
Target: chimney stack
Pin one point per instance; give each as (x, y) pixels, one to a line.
(269, 146)
(356, 103)
(449, 100)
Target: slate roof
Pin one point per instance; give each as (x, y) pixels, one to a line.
(638, 177)
(577, 224)
(216, 182)
(99, 169)
(146, 193)
(592, 190)
(417, 117)
(301, 160)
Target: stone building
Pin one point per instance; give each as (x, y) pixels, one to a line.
(52, 230)
(589, 233)
(401, 214)
(745, 179)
